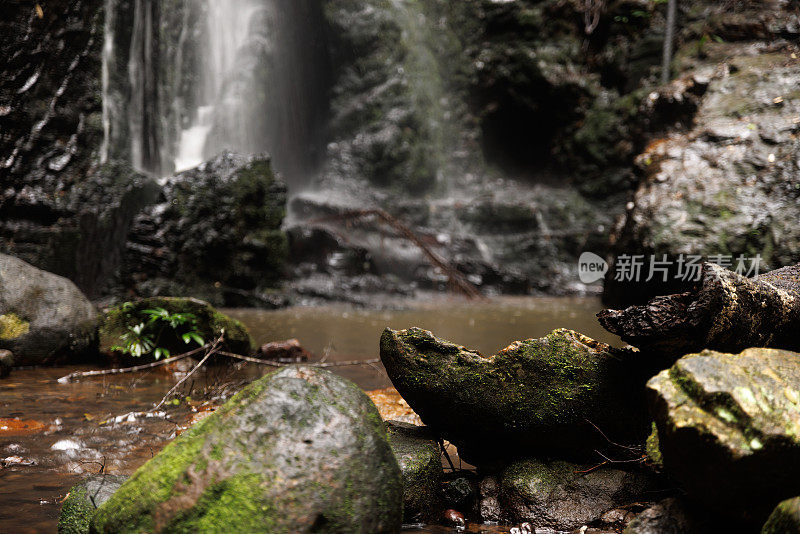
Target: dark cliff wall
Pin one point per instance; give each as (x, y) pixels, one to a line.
(59, 209)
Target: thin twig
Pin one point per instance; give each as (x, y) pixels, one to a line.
(630, 448)
(210, 352)
(317, 364)
(143, 367)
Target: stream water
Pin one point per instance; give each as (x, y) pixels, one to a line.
(52, 434)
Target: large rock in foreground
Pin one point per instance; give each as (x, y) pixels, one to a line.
(565, 496)
(44, 318)
(729, 428)
(535, 396)
(300, 450)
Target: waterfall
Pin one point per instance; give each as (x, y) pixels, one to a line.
(143, 72)
(203, 76)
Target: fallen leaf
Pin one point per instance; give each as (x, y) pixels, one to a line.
(17, 427)
(39, 11)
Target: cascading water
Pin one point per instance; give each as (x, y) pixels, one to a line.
(225, 93)
(187, 80)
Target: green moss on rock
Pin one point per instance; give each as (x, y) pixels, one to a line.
(728, 429)
(84, 499)
(563, 496)
(652, 451)
(536, 395)
(265, 462)
(419, 457)
(12, 326)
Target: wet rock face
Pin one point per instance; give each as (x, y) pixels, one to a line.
(535, 396)
(44, 318)
(300, 450)
(729, 185)
(50, 92)
(727, 428)
(561, 496)
(214, 233)
(59, 209)
(84, 498)
(418, 455)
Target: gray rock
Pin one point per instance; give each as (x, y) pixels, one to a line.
(300, 450)
(44, 318)
(729, 185)
(419, 457)
(564, 496)
(84, 498)
(728, 428)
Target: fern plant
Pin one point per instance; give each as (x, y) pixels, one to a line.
(156, 329)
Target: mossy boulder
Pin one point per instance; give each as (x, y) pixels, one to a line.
(565, 496)
(729, 430)
(44, 318)
(84, 499)
(785, 519)
(538, 396)
(215, 232)
(210, 323)
(300, 450)
(418, 455)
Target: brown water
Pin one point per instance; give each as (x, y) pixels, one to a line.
(72, 441)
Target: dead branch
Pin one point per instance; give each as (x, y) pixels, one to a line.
(592, 11)
(143, 367)
(322, 364)
(211, 352)
(456, 278)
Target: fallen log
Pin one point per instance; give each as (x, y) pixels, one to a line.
(725, 312)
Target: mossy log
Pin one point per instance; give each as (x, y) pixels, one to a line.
(725, 312)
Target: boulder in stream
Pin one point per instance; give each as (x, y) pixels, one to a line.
(84, 499)
(549, 396)
(300, 450)
(44, 318)
(729, 430)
